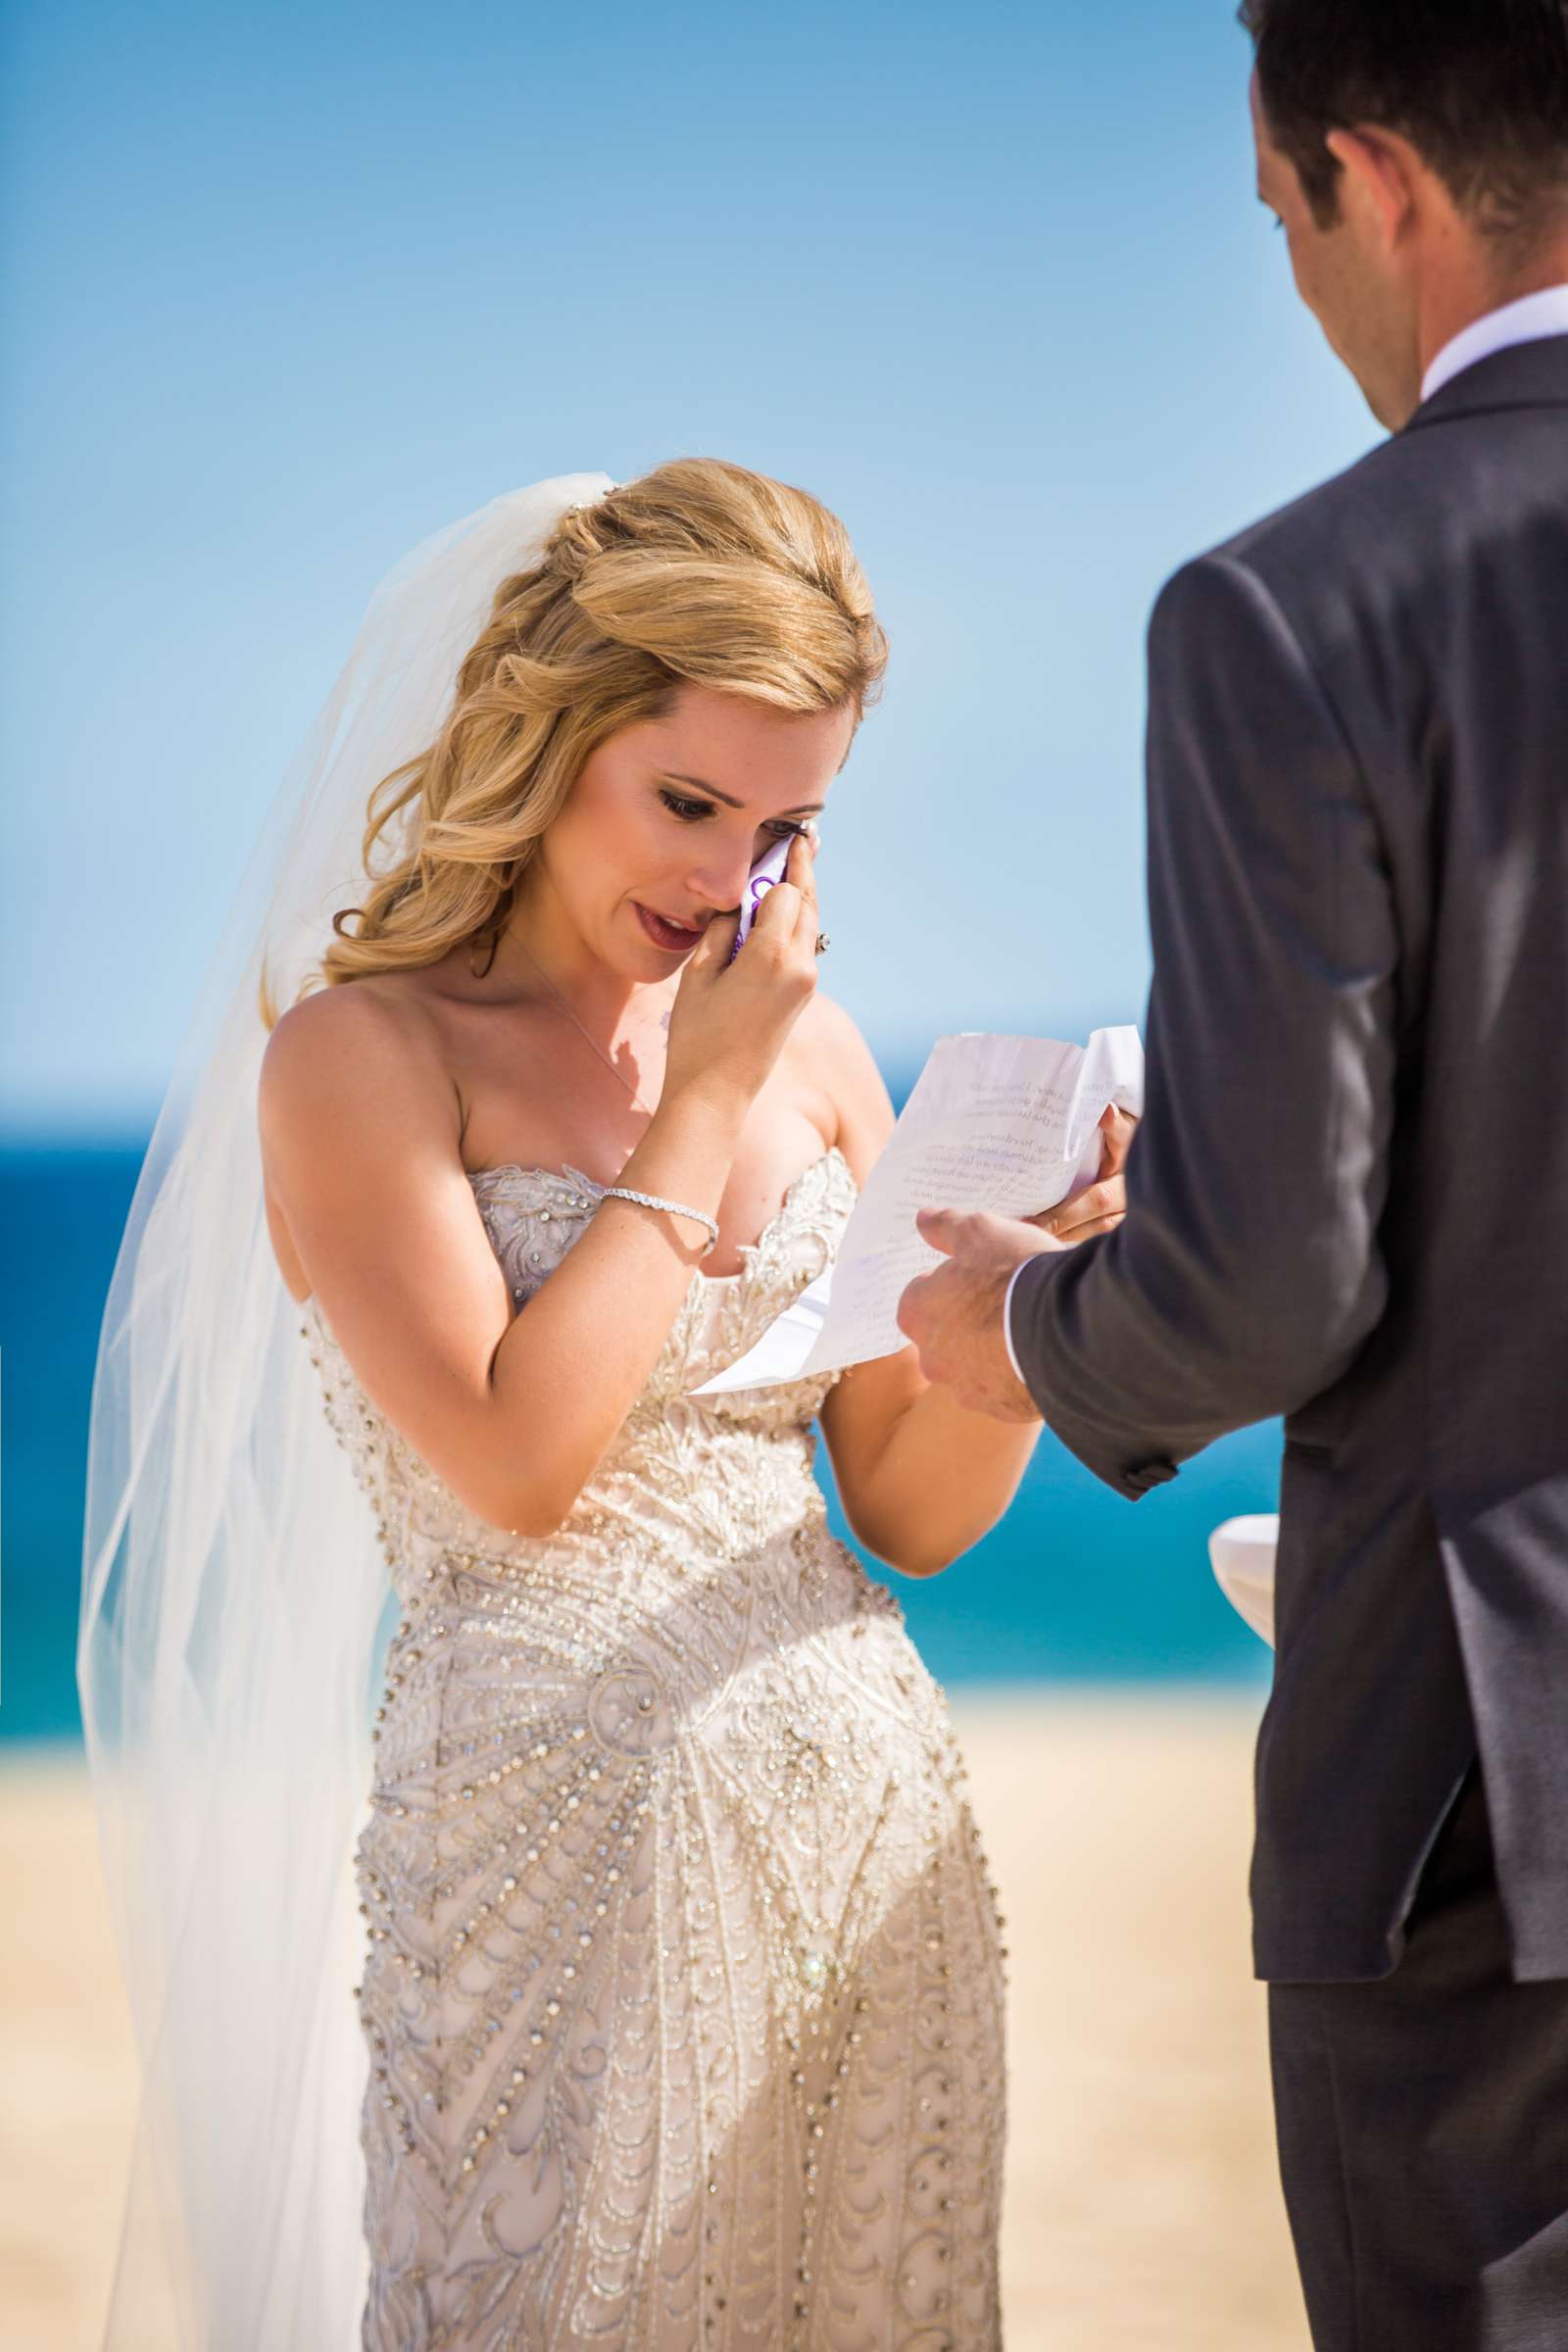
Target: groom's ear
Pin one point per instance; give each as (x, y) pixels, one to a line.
(1383, 183)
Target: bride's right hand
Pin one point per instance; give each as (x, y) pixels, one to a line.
(729, 1022)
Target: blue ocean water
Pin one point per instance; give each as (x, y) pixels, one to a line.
(1075, 1585)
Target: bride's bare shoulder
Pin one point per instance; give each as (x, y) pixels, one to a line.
(843, 1068)
(353, 1068)
(327, 1035)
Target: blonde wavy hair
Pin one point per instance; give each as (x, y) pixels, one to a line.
(700, 572)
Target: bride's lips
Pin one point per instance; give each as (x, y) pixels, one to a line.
(671, 937)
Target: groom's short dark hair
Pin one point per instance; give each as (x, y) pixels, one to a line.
(1479, 87)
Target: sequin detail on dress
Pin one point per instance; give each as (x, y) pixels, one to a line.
(684, 1987)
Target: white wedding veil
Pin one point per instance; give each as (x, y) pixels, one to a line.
(234, 1586)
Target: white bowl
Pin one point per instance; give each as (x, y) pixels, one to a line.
(1242, 1551)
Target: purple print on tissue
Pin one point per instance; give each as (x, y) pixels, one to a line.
(768, 869)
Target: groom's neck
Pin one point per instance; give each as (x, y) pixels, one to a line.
(1481, 275)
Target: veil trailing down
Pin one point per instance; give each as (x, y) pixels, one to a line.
(234, 1584)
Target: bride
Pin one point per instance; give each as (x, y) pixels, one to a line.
(678, 2018)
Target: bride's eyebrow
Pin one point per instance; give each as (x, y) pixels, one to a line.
(806, 808)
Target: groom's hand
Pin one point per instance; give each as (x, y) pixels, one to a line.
(1102, 1206)
(954, 1313)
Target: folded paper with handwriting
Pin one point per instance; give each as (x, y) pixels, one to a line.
(1006, 1125)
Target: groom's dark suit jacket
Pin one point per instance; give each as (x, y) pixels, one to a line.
(1347, 1201)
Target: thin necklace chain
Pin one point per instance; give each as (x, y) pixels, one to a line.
(637, 1101)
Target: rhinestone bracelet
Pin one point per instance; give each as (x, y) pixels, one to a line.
(676, 1209)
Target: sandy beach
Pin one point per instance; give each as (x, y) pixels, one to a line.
(1143, 2206)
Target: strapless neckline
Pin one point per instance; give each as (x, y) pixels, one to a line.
(573, 1182)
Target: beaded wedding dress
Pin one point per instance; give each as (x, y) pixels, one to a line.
(683, 1985)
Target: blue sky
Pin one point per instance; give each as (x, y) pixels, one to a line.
(286, 289)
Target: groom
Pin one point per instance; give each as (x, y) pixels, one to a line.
(1348, 1200)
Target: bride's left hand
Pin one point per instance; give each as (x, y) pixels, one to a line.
(1102, 1204)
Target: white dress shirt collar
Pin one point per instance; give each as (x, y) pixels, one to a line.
(1530, 320)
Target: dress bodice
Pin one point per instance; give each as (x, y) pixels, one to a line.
(713, 1471)
(533, 1216)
